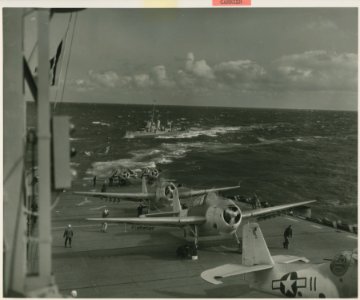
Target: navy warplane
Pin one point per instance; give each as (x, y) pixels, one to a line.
(286, 276)
(210, 214)
(126, 175)
(122, 175)
(162, 196)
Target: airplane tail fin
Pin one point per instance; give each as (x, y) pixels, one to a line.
(176, 202)
(255, 257)
(143, 185)
(255, 250)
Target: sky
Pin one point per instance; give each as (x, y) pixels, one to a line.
(303, 58)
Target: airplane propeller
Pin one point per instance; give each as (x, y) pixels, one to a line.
(169, 191)
(125, 175)
(232, 215)
(155, 173)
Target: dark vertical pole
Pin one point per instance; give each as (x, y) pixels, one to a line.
(13, 158)
(44, 139)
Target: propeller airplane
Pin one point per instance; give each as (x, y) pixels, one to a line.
(122, 175)
(162, 196)
(285, 275)
(210, 214)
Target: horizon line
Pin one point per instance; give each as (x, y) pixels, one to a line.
(197, 106)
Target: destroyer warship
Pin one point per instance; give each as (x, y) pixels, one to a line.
(154, 128)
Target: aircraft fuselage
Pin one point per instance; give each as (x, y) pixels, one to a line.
(222, 215)
(293, 280)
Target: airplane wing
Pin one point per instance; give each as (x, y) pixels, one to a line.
(124, 196)
(155, 221)
(288, 259)
(192, 193)
(227, 270)
(268, 210)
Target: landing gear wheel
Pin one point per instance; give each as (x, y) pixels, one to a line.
(183, 251)
(194, 252)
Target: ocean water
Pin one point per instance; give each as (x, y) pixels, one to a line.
(282, 155)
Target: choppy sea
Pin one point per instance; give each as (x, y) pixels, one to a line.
(282, 155)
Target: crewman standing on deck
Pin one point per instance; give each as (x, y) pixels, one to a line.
(103, 188)
(104, 224)
(287, 235)
(68, 234)
(140, 209)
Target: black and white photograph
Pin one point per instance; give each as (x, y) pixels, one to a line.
(180, 151)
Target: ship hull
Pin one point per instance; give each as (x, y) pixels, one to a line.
(142, 134)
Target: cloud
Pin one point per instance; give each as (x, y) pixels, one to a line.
(197, 76)
(240, 72)
(184, 80)
(125, 81)
(160, 77)
(106, 79)
(189, 63)
(318, 70)
(84, 85)
(199, 68)
(142, 81)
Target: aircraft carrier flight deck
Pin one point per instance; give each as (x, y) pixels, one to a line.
(137, 261)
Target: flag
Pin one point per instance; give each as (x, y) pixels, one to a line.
(53, 64)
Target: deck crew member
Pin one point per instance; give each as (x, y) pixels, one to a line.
(287, 235)
(255, 202)
(103, 188)
(148, 126)
(68, 234)
(140, 209)
(104, 224)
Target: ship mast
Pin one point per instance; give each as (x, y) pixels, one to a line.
(153, 113)
(152, 124)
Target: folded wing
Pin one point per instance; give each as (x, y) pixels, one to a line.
(155, 221)
(268, 210)
(194, 193)
(121, 196)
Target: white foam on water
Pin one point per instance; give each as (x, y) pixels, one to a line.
(179, 150)
(141, 154)
(88, 153)
(195, 132)
(100, 123)
(164, 160)
(168, 152)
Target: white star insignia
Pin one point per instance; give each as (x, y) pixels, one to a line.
(288, 284)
